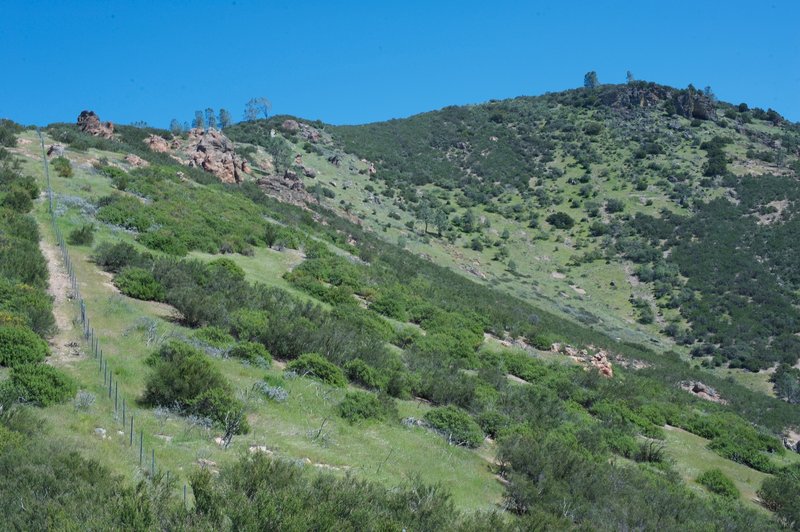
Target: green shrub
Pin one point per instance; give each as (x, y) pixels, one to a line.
(140, 284)
(43, 385)
(316, 366)
(82, 236)
(184, 377)
(360, 406)
(62, 166)
(20, 345)
(34, 306)
(214, 336)
(250, 351)
(560, 220)
(248, 324)
(18, 200)
(362, 373)
(780, 494)
(716, 482)
(456, 425)
(114, 257)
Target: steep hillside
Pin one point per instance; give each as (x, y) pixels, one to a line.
(618, 206)
(297, 350)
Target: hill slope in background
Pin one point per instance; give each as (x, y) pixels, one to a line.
(652, 212)
(449, 299)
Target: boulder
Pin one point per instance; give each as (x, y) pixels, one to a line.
(290, 126)
(56, 150)
(136, 161)
(157, 144)
(214, 152)
(89, 122)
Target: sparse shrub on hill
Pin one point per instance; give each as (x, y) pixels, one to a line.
(184, 377)
(716, 482)
(560, 220)
(62, 166)
(20, 345)
(251, 352)
(42, 385)
(361, 406)
(17, 199)
(455, 425)
(140, 284)
(362, 373)
(82, 236)
(780, 494)
(315, 366)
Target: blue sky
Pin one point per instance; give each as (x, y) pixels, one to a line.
(354, 62)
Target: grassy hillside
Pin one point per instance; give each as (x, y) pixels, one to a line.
(333, 356)
(605, 205)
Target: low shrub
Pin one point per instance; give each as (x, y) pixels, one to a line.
(780, 494)
(62, 167)
(182, 376)
(250, 351)
(456, 425)
(248, 325)
(214, 336)
(139, 284)
(82, 236)
(362, 373)
(18, 200)
(20, 345)
(360, 406)
(43, 385)
(716, 482)
(316, 366)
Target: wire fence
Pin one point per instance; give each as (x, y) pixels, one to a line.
(121, 412)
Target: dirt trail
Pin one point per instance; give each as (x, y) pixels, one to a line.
(59, 288)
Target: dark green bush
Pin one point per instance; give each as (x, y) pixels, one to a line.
(34, 306)
(360, 406)
(781, 494)
(18, 199)
(456, 425)
(362, 373)
(184, 377)
(20, 345)
(560, 220)
(316, 366)
(43, 385)
(716, 482)
(140, 284)
(113, 257)
(250, 351)
(248, 324)
(214, 336)
(82, 236)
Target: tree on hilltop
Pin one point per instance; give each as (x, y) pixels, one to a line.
(590, 80)
(224, 118)
(257, 106)
(211, 118)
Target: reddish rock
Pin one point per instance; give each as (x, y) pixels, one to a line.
(89, 122)
(136, 161)
(157, 144)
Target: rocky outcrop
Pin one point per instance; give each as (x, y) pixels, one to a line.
(598, 360)
(89, 122)
(689, 103)
(702, 391)
(56, 150)
(288, 188)
(136, 161)
(290, 126)
(214, 152)
(157, 144)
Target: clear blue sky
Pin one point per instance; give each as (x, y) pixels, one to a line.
(354, 62)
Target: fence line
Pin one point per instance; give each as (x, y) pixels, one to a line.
(91, 338)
